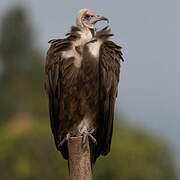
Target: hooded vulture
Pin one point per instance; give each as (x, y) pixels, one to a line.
(81, 80)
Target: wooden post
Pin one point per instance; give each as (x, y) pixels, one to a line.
(79, 159)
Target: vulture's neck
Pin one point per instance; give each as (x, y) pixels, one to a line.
(93, 32)
(86, 35)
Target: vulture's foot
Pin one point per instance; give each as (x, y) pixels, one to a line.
(66, 138)
(88, 134)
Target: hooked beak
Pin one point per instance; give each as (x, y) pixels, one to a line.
(100, 18)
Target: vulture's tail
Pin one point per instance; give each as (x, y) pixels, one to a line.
(94, 153)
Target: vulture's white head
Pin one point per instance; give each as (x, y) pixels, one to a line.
(87, 18)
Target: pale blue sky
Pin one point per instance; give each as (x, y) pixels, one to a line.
(149, 91)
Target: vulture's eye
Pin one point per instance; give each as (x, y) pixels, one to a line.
(87, 16)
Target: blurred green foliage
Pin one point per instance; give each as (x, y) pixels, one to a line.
(21, 84)
(27, 147)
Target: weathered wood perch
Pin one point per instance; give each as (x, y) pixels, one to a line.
(79, 159)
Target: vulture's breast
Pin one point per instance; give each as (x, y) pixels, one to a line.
(81, 99)
(86, 44)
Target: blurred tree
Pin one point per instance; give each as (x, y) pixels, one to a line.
(31, 155)
(136, 156)
(22, 80)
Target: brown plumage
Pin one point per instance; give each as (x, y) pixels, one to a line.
(82, 87)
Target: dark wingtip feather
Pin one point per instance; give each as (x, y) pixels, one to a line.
(67, 34)
(75, 28)
(53, 40)
(105, 28)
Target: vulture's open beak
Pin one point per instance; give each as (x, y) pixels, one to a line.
(100, 18)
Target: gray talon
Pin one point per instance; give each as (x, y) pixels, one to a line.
(66, 138)
(92, 138)
(84, 138)
(88, 134)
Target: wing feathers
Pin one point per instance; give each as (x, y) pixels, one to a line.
(110, 56)
(60, 74)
